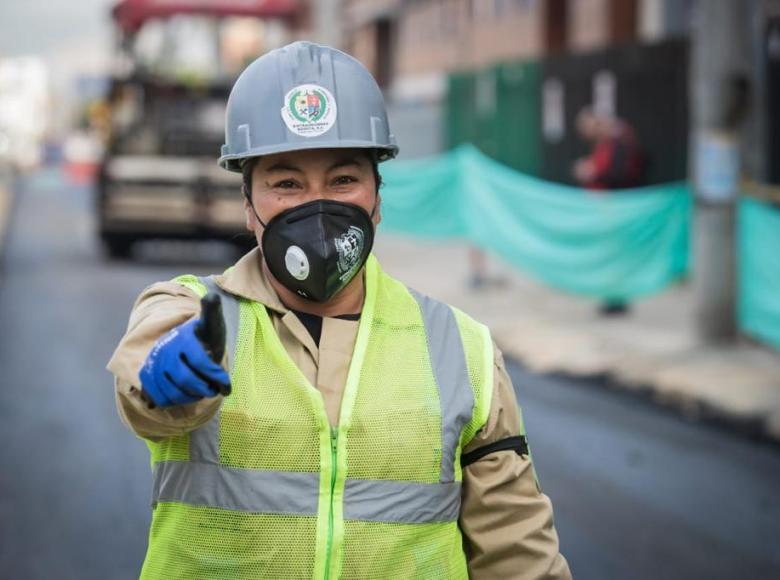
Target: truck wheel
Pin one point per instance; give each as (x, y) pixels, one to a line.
(118, 248)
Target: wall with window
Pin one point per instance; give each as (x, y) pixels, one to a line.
(397, 38)
(453, 35)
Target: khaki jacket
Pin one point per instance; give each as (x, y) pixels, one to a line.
(507, 523)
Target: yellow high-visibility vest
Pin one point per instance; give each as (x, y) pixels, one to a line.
(267, 489)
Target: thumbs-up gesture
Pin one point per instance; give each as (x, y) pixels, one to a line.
(184, 365)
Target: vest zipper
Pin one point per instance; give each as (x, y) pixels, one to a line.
(333, 446)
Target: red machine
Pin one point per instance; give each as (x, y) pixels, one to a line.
(175, 63)
(130, 15)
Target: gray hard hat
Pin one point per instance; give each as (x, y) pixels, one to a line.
(304, 96)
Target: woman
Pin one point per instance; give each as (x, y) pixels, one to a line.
(353, 428)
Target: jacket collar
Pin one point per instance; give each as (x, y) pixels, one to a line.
(247, 279)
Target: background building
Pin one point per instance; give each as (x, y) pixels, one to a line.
(510, 75)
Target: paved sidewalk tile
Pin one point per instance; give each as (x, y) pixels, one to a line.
(654, 347)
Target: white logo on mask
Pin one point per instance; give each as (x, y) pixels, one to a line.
(349, 246)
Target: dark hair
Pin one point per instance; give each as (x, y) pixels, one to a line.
(248, 166)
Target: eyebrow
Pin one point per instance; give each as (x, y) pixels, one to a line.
(285, 166)
(344, 163)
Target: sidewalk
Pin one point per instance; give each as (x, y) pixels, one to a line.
(654, 348)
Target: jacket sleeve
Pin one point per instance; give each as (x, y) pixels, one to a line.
(157, 310)
(507, 522)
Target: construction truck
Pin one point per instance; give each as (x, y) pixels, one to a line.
(175, 61)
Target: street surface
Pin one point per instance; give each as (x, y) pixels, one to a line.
(638, 492)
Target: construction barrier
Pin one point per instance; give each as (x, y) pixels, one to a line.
(622, 244)
(759, 270)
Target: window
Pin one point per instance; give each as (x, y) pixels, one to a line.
(555, 20)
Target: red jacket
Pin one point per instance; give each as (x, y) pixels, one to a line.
(617, 161)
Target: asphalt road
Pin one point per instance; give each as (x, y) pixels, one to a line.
(638, 492)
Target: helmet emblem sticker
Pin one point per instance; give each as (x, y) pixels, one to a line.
(309, 110)
(349, 246)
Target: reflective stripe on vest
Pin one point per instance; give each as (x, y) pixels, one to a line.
(202, 481)
(284, 492)
(452, 377)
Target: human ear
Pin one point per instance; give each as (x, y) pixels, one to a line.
(251, 220)
(377, 211)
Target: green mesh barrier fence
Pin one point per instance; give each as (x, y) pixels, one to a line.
(759, 270)
(619, 245)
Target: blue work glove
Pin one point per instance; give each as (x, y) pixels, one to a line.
(179, 369)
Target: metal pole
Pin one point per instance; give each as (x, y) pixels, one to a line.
(327, 22)
(719, 90)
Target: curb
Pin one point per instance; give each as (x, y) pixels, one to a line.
(753, 427)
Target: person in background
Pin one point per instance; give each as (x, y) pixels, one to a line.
(478, 277)
(615, 162)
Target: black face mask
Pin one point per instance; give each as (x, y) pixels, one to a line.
(317, 248)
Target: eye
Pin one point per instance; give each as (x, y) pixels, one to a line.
(285, 184)
(344, 180)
